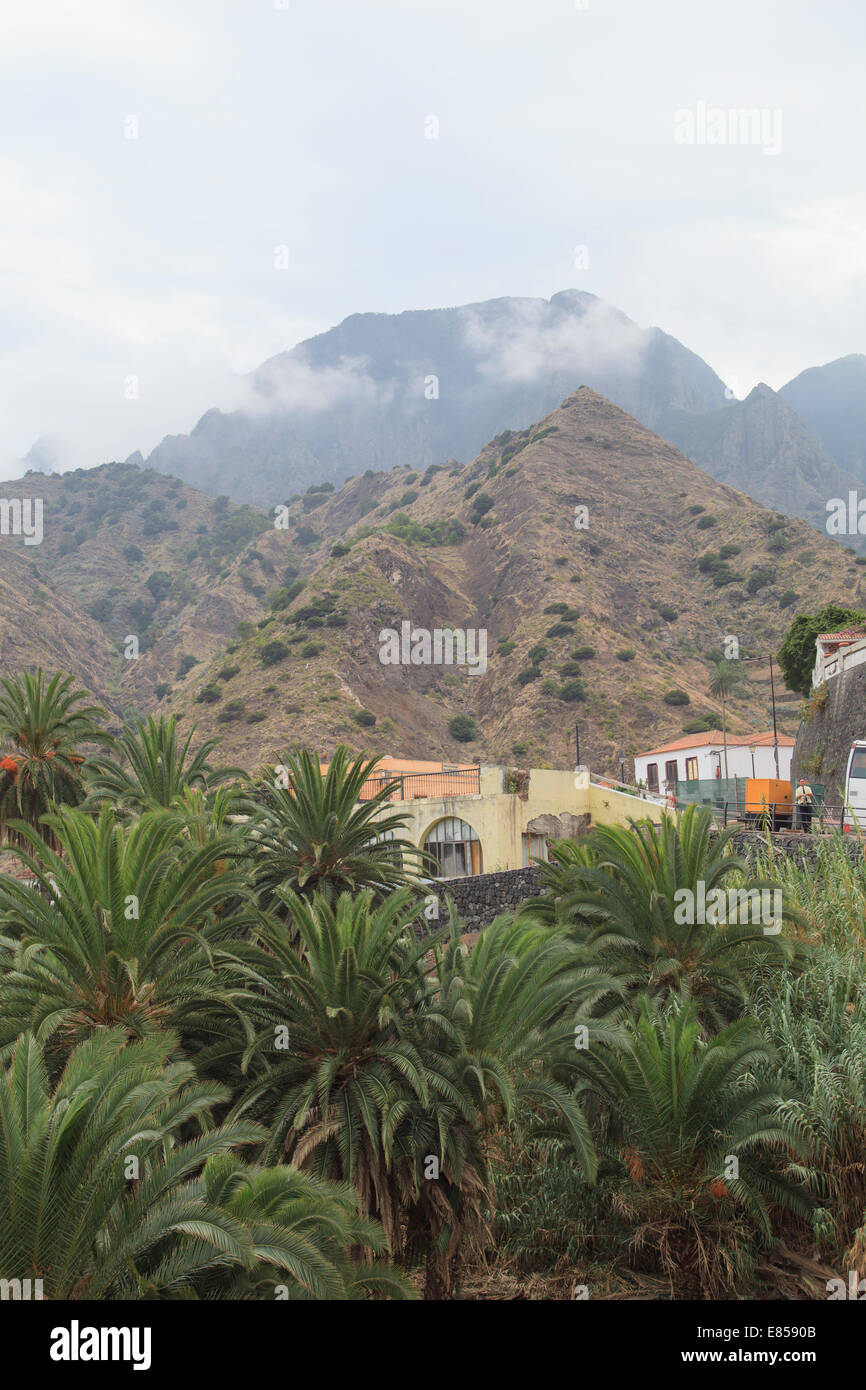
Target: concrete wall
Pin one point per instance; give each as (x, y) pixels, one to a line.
(560, 805)
(824, 742)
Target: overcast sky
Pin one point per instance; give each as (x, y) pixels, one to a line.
(304, 124)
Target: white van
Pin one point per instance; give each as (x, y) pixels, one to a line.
(855, 787)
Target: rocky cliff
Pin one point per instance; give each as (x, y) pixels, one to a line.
(824, 741)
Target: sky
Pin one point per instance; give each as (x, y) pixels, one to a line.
(188, 187)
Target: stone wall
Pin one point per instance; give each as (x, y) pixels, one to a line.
(478, 900)
(803, 848)
(824, 742)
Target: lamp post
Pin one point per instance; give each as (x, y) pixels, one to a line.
(775, 733)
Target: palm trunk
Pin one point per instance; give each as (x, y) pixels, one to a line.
(434, 1285)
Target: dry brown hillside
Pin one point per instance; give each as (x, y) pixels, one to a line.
(618, 615)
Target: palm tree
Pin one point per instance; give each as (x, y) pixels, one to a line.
(160, 769)
(389, 1071)
(560, 873)
(365, 1088)
(698, 1139)
(511, 1007)
(302, 1231)
(335, 1057)
(99, 1196)
(634, 908)
(44, 727)
(315, 835)
(118, 1185)
(125, 926)
(725, 676)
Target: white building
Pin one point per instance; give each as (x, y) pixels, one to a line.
(837, 651)
(703, 756)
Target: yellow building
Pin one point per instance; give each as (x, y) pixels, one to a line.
(486, 819)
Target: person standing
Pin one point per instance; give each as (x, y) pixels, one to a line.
(804, 805)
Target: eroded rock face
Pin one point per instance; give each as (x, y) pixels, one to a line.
(824, 742)
(562, 827)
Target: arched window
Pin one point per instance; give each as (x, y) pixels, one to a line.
(455, 847)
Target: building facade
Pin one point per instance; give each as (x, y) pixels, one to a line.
(505, 819)
(697, 756)
(836, 652)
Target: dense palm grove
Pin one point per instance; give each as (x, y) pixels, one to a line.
(237, 1063)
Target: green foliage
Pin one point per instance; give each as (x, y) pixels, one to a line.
(155, 770)
(529, 673)
(703, 724)
(676, 697)
(159, 584)
(619, 895)
(313, 834)
(273, 652)
(45, 726)
(232, 710)
(759, 579)
(445, 531)
(680, 1109)
(463, 728)
(718, 570)
(797, 653)
(481, 505)
(573, 691)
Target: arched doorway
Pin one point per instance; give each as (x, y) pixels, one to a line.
(455, 847)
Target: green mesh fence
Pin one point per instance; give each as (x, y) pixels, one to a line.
(730, 792)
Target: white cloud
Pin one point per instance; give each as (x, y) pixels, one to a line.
(531, 344)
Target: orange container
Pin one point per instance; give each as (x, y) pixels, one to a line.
(766, 793)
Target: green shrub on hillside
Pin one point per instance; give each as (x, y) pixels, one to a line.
(272, 652)
(463, 728)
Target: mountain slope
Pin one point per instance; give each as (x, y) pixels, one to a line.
(129, 553)
(380, 390)
(761, 446)
(672, 564)
(831, 400)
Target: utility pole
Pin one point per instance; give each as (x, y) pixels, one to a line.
(775, 732)
(577, 742)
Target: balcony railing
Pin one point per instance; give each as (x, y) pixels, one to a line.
(408, 786)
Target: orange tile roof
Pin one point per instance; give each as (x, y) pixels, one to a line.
(848, 634)
(713, 736)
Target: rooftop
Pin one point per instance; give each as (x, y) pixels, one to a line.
(848, 634)
(716, 736)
